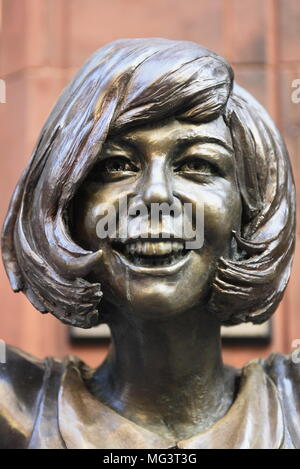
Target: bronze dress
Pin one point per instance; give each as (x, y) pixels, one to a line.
(46, 405)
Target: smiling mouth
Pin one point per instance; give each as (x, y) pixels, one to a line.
(152, 253)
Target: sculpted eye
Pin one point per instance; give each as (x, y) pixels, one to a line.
(195, 165)
(113, 168)
(117, 164)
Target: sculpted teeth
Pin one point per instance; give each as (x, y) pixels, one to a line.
(149, 248)
(153, 253)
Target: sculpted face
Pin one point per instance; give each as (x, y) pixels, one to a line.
(175, 163)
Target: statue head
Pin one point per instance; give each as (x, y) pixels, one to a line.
(154, 121)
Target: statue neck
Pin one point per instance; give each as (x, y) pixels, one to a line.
(166, 375)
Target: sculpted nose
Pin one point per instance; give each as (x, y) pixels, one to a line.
(157, 185)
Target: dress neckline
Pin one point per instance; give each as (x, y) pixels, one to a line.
(254, 420)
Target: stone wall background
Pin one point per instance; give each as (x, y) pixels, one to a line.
(42, 44)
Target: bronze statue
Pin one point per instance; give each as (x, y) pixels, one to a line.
(153, 121)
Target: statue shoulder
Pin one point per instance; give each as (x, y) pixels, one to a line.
(284, 371)
(21, 379)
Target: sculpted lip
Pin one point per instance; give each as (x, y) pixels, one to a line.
(152, 255)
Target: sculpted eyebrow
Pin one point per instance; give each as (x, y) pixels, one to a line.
(184, 142)
(180, 144)
(114, 146)
(120, 144)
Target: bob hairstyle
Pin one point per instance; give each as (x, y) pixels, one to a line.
(130, 83)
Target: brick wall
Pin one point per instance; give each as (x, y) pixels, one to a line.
(43, 42)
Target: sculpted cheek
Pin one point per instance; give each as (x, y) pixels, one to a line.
(221, 216)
